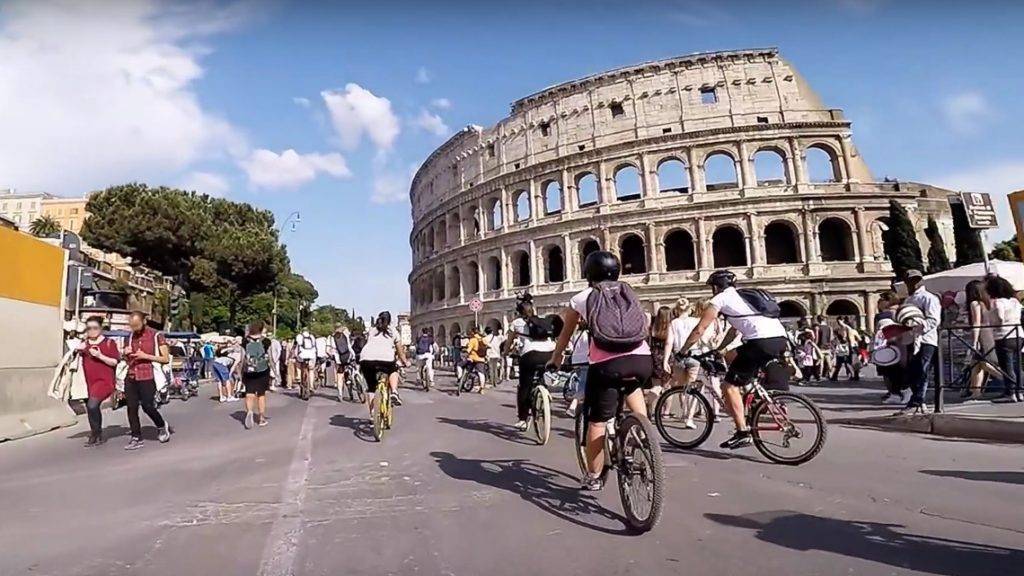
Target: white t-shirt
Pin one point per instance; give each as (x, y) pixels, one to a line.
(748, 324)
(526, 344)
(494, 343)
(321, 347)
(380, 347)
(681, 328)
(306, 345)
(1006, 312)
(581, 348)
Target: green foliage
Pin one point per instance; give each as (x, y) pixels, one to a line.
(937, 259)
(900, 241)
(1008, 250)
(323, 319)
(969, 249)
(44, 227)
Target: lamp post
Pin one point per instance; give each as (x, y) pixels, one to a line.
(294, 218)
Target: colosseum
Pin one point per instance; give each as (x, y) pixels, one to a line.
(681, 166)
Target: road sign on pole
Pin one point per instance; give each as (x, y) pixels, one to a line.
(475, 306)
(980, 211)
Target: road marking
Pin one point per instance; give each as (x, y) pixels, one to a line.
(283, 542)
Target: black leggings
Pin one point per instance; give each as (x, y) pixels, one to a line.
(529, 365)
(92, 408)
(141, 393)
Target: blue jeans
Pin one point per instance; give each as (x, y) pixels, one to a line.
(1008, 355)
(918, 369)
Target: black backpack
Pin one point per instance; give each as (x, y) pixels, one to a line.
(540, 327)
(763, 303)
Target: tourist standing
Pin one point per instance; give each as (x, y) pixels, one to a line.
(493, 341)
(661, 373)
(920, 365)
(1007, 335)
(276, 352)
(147, 352)
(823, 335)
(209, 353)
(255, 369)
(897, 391)
(99, 358)
(982, 318)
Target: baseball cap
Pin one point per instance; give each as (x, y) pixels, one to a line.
(912, 273)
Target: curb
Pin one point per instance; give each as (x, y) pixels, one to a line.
(951, 425)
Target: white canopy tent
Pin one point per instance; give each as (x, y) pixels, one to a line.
(956, 279)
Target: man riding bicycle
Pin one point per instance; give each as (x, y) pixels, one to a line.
(343, 355)
(476, 357)
(753, 314)
(305, 344)
(425, 350)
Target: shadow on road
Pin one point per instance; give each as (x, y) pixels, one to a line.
(534, 483)
(877, 542)
(361, 428)
(1006, 477)
(117, 431)
(503, 431)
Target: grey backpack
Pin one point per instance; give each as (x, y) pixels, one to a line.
(617, 320)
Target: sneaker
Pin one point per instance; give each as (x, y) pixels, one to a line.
(134, 444)
(893, 399)
(522, 425)
(91, 442)
(740, 439)
(905, 396)
(248, 420)
(165, 434)
(1020, 396)
(591, 483)
(263, 421)
(690, 425)
(1006, 399)
(223, 399)
(396, 399)
(570, 412)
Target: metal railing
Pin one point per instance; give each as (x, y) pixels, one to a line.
(956, 342)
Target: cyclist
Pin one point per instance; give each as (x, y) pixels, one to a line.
(533, 336)
(425, 348)
(382, 353)
(476, 357)
(764, 340)
(343, 355)
(612, 374)
(305, 345)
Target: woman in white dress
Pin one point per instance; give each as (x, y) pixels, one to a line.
(982, 317)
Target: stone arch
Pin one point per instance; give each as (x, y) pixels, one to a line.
(633, 254)
(494, 324)
(720, 171)
(429, 239)
(493, 273)
(628, 185)
(780, 243)
(495, 214)
(728, 247)
(456, 330)
(441, 229)
(770, 166)
(843, 307)
(472, 278)
(792, 310)
(587, 246)
(471, 217)
(454, 282)
(438, 280)
(672, 176)
(554, 264)
(680, 253)
(587, 190)
(822, 163)
(441, 335)
(553, 202)
(520, 268)
(521, 204)
(835, 240)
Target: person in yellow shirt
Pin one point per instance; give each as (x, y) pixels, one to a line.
(476, 350)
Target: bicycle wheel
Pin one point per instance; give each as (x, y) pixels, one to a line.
(581, 440)
(541, 414)
(789, 429)
(641, 473)
(468, 380)
(378, 417)
(569, 388)
(684, 417)
(360, 387)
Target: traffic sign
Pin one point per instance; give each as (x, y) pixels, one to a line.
(475, 305)
(980, 211)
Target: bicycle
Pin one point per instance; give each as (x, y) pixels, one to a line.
(540, 408)
(789, 414)
(355, 385)
(305, 387)
(467, 381)
(382, 411)
(424, 380)
(630, 448)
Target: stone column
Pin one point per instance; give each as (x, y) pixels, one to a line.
(744, 171)
(652, 250)
(810, 238)
(536, 204)
(694, 167)
(870, 308)
(462, 228)
(649, 187)
(504, 210)
(569, 257)
(799, 164)
(604, 185)
(569, 199)
(862, 234)
(462, 282)
(847, 145)
(754, 233)
(606, 240)
(506, 278)
(533, 266)
(481, 285)
(481, 218)
(703, 261)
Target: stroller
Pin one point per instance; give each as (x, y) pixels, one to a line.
(185, 366)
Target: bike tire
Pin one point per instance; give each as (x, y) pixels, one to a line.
(580, 438)
(654, 469)
(763, 447)
(468, 380)
(680, 394)
(378, 420)
(570, 386)
(541, 415)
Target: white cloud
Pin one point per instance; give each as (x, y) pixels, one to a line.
(423, 76)
(965, 112)
(97, 93)
(304, 102)
(206, 183)
(998, 179)
(289, 169)
(431, 123)
(441, 103)
(698, 13)
(390, 187)
(356, 111)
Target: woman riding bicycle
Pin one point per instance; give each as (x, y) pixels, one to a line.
(612, 374)
(533, 335)
(382, 354)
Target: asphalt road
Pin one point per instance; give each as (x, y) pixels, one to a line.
(455, 490)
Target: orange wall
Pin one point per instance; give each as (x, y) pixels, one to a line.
(32, 270)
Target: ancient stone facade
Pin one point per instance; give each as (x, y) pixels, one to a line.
(681, 166)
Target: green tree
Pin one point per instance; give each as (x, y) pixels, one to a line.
(937, 259)
(44, 227)
(969, 249)
(1008, 250)
(900, 241)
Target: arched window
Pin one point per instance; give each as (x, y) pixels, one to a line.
(878, 229)
(679, 251)
(473, 280)
(822, 165)
(456, 330)
(442, 235)
(520, 269)
(728, 247)
(835, 240)
(555, 268)
(493, 273)
(672, 177)
(494, 324)
(780, 245)
(455, 228)
(587, 247)
(430, 241)
(586, 190)
(769, 168)
(720, 172)
(552, 197)
(522, 203)
(438, 286)
(497, 218)
(791, 310)
(627, 183)
(473, 216)
(441, 335)
(454, 282)
(632, 255)
(842, 307)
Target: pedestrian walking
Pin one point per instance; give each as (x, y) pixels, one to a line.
(147, 353)
(808, 356)
(255, 370)
(493, 341)
(660, 374)
(209, 353)
(890, 364)
(99, 359)
(982, 318)
(823, 335)
(276, 353)
(843, 347)
(927, 341)
(1007, 335)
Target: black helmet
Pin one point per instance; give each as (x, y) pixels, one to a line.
(721, 279)
(600, 266)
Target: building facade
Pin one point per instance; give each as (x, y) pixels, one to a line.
(22, 207)
(680, 166)
(68, 212)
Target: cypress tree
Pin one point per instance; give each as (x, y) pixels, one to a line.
(937, 259)
(968, 240)
(900, 241)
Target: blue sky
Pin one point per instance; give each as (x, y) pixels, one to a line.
(214, 95)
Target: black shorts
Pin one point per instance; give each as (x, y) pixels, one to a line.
(257, 383)
(752, 356)
(372, 368)
(480, 367)
(609, 381)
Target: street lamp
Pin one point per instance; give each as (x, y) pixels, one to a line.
(294, 219)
